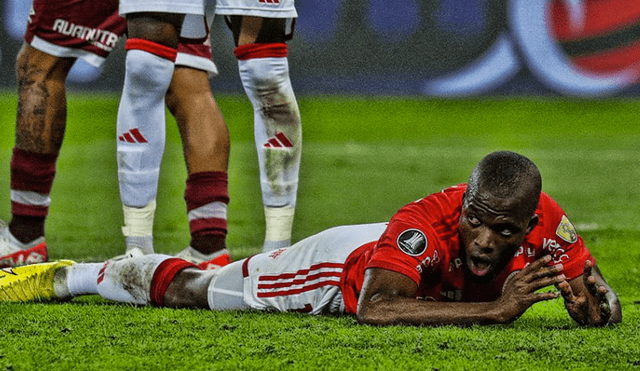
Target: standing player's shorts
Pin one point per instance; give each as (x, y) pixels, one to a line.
(304, 277)
(162, 6)
(75, 29)
(257, 8)
(80, 29)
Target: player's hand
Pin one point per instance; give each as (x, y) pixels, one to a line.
(590, 306)
(520, 291)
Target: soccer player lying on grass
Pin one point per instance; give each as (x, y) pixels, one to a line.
(476, 253)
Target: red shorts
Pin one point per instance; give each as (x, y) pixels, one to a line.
(80, 29)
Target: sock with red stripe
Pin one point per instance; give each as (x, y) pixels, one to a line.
(264, 71)
(141, 127)
(140, 280)
(207, 197)
(32, 176)
(81, 279)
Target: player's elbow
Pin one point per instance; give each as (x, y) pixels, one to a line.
(366, 316)
(377, 313)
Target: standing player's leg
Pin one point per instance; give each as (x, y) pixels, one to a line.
(40, 127)
(205, 141)
(43, 64)
(151, 52)
(264, 70)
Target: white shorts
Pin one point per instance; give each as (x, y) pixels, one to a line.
(257, 8)
(162, 6)
(304, 277)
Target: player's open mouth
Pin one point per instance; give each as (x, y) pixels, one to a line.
(479, 267)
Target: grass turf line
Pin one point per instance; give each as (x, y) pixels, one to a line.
(363, 158)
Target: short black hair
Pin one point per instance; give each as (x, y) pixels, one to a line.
(507, 174)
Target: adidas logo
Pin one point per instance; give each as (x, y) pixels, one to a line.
(133, 136)
(270, 1)
(278, 141)
(8, 271)
(101, 272)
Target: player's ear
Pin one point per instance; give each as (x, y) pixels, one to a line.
(532, 223)
(465, 196)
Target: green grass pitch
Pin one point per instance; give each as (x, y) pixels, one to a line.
(363, 158)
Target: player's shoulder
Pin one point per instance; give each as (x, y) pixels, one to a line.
(434, 217)
(553, 223)
(450, 197)
(548, 209)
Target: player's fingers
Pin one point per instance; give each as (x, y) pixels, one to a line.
(546, 271)
(547, 281)
(536, 265)
(588, 267)
(605, 310)
(601, 293)
(544, 296)
(565, 290)
(592, 285)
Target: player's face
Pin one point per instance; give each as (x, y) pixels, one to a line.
(491, 231)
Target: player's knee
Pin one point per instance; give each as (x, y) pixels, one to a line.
(188, 289)
(265, 73)
(141, 72)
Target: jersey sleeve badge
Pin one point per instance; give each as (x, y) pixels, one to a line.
(566, 230)
(412, 242)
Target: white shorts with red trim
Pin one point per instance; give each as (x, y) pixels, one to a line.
(257, 8)
(304, 277)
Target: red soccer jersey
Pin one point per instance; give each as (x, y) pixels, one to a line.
(422, 242)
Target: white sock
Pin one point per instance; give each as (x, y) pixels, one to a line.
(278, 139)
(141, 127)
(129, 280)
(277, 128)
(82, 279)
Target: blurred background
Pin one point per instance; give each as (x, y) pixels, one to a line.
(431, 48)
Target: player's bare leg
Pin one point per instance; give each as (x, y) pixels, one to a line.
(261, 50)
(205, 137)
(151, 51)
(188, 289)
(40, 127)
(205, 141)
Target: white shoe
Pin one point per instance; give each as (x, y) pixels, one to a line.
(137, 246)
(14, 253)
(207, 262)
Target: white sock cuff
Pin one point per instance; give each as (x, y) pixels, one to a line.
(138, 221)
(279, 223)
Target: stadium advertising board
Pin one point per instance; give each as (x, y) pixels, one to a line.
(443, 48)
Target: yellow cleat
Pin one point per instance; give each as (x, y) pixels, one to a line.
(30, 282)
